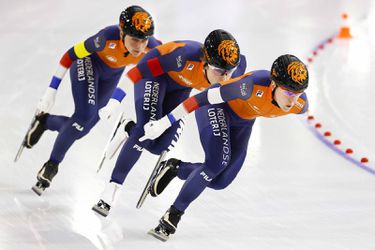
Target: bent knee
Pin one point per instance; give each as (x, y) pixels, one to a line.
(83, 126)
(156, 152)
(155, 149)
(219, 185)
(85, 118)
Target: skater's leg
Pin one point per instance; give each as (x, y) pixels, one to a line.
(55, 122)
(213, 124)
(149, 96)
(173, 167)
(208, 174)
(214, 131)
(186, 168)
(240, 134)
(85, 95)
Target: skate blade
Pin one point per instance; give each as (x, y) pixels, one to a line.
(101, 164)
(23, 145)
(38, 190)
(158, 235)
(113, 153)
(143, 198)
(100, 211)
(19, 152)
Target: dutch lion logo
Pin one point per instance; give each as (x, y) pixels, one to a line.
(228, 51)
(141, 21)
(298, 72)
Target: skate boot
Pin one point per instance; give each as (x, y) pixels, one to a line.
(45, 176)
(36, 130)
(108, 199)
(120, 135)
(166, 174)
(167, 224)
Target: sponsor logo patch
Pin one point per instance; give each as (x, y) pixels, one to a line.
(259, 93)
(112, 45)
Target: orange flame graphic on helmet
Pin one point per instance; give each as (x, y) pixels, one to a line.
(298, 72)
(228, 51)
(141, 21)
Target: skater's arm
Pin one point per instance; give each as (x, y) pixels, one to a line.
(238, 88)
(80, 50)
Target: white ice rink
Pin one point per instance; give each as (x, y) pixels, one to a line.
(293, 191)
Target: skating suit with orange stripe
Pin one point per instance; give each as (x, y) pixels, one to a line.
(248, 96)
(107, 52)
(96, 66)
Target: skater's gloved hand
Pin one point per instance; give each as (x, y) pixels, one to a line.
(107, 111)
(153, 129)
(46, 103)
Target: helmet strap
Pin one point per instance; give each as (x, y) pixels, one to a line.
(273, 97)
(123, 42)
(123, 38)
(205, 73)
